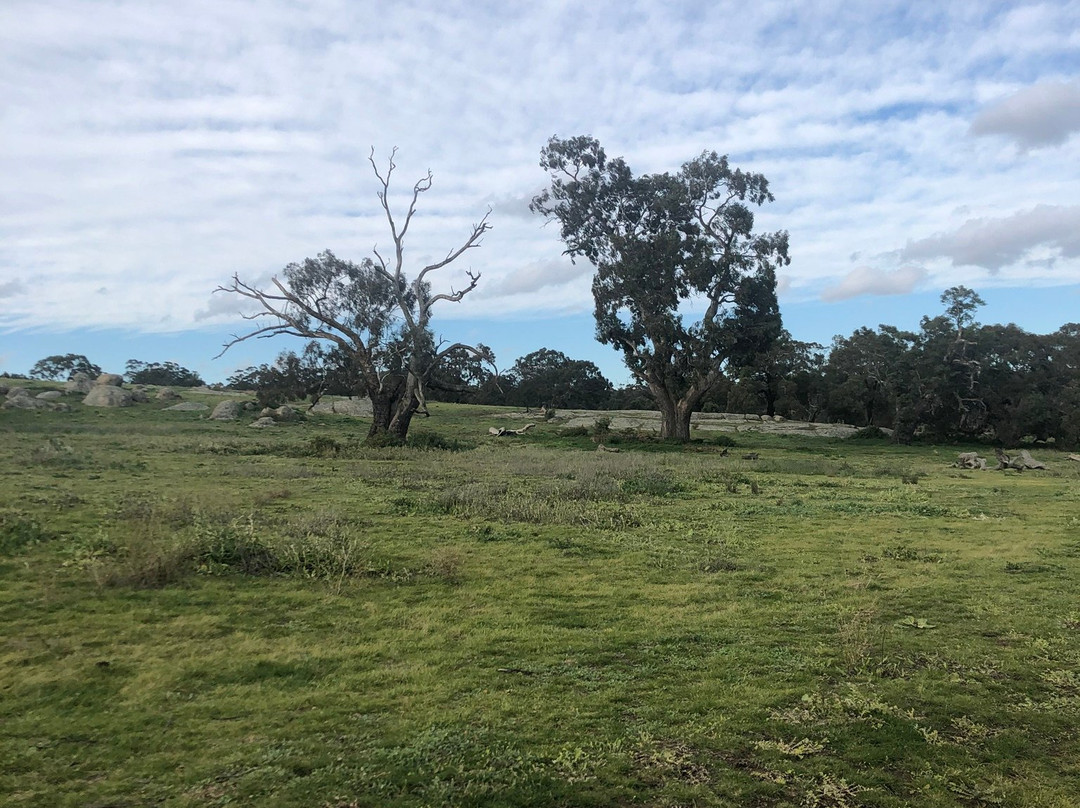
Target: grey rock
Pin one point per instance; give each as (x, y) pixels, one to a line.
(78, 383)
(356, 407)
(25, 402)
(188, 406)
(227, 410)
(264, 422)
(109, 379)
(167, 394)
(50, 395)
(107, 395)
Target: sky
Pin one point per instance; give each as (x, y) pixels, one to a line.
(151, 150)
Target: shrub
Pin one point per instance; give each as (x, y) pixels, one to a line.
(18, 532)
(601, 427)
(870, 433)
(429, 441)
(574, 432)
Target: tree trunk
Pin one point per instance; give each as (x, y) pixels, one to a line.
(681, 430)
(403, 414)
(669, 414)
(381, 410)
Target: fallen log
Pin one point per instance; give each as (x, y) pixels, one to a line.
(1020, 461)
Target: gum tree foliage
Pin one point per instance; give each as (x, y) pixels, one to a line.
(375, 312)
(551, 378)
(64, 367)
(315, 372)
(665, 245)
(161, 373)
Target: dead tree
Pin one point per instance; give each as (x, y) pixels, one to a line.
(373, 311)
(1020, 461)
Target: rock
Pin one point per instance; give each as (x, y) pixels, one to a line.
(78, 383)
(49, 395)
(3, 389)
(971, 460)
(17, 392)
(228, 410)
(264, 422)
(167, 394)
(24, 401)
(107, 395)
(109, 379)
(356, 407)
(188, 406)
(282, 413)
(140, 396)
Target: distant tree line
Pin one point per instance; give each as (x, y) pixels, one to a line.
(953, 379)
(65, 366)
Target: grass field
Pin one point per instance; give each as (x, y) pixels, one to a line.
(199, 613)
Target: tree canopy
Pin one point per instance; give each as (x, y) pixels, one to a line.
(63, 367)
(667, 247)
(374, 312)
(161, 373)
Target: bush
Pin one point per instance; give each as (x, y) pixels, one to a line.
(18, 532)
(429, 441)
(870, 433)
(574, 432)
(601, 427)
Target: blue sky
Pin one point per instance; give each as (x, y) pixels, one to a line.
(150, 150)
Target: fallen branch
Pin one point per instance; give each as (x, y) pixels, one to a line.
(502, 432)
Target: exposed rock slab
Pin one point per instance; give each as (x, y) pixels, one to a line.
(227, 410)
(188, 406)
(107, 395)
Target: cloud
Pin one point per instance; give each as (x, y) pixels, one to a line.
(994, 243)
(156, 152)
(12, 288)
(1044, 114)
(536, 276)
(866, 280)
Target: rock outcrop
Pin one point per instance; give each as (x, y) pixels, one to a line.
(107, 395)
(79, 383)
(228, 410)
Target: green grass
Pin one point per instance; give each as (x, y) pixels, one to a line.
(198, 613)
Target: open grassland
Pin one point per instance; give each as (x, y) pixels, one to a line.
(199, 613)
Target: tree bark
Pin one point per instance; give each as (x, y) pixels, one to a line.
(380, 413)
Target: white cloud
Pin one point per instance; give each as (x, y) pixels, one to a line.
(994, 243)
(155, 150)
(536, 276)
(1044, 114)
(865, 280)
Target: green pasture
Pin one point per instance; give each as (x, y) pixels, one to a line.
(198, 613)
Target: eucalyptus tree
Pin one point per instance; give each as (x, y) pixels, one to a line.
(683, 286)
(374, 312)
(63, 367)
